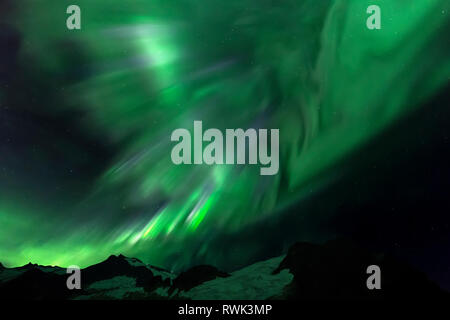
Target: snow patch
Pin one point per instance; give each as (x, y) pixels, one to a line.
(255, 282)
(116, 288)
(164, 275)
(135, 262)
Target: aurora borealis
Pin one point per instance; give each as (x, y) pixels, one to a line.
(87, 115)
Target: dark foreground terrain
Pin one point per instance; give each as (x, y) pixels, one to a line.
(336, 270)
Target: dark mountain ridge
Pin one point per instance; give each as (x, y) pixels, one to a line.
(334, 270)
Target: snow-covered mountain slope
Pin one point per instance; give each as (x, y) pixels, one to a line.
(255, 282)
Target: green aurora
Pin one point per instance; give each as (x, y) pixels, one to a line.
(140, 69)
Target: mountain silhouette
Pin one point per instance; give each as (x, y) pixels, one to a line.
(334, 270)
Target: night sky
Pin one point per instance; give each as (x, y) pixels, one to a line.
(86, 117)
